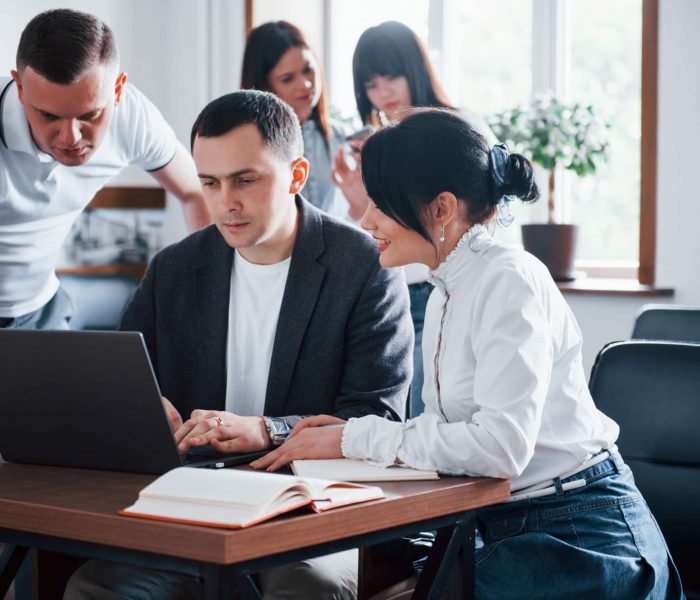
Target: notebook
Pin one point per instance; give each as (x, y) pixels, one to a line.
(234, 498)
(349, 469)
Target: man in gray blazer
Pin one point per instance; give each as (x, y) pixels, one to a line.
(276, 312)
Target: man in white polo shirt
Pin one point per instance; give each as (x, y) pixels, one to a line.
(69, 123)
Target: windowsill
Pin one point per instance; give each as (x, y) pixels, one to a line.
(598, 286)
(135, 270)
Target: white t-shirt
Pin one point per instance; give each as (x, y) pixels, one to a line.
(253, 311)
(40, 198)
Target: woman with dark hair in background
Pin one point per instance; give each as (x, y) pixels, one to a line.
(392, 73)
(505, 391)
(277, 59)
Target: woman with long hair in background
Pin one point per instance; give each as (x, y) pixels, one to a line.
(278, 59)
(391, 75)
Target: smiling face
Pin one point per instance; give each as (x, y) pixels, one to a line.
(388, 94)
(69, 121)
(295, 79)
(249, 191)
(397, 244)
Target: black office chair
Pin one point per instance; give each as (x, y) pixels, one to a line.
(99, 300)
(652, 389)
(668, 322)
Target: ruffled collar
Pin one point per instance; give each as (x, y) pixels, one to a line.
(473, 242)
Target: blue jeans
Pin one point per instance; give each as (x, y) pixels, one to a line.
(598, 541)
(55, 314)
(419, 294)
(329, 577)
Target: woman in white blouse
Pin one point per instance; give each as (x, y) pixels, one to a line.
(505, 390)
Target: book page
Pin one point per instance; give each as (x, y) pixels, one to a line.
(211, 515)
(340, 494)
(227, 487)
(238, 498)
(347, 469)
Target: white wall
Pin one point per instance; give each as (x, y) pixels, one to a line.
(307, 15)
(605, 319)
(678, 213)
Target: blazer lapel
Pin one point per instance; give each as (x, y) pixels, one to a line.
(303, 286)
(212, 286)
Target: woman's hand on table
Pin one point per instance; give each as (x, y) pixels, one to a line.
(313, 437)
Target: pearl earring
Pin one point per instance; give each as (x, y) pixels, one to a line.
(442, 233)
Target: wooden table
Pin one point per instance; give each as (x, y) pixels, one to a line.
(74, 511)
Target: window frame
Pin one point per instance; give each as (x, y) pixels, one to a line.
(550, 55)
(549, 73)
(647, 202)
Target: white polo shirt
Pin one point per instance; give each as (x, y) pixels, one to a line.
(41, 198)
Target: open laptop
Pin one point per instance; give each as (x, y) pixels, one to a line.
(88, 399)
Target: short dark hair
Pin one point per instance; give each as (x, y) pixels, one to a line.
(264, 48)
(62, 44)
(392, 49)
(407, 165)
(275, 120)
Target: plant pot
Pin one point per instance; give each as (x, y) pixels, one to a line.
(554, 244)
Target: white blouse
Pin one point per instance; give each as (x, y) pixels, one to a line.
(505, 393)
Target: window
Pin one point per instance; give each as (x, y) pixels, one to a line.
(487, 67)
(492, 54)
(488, 54)
(583, 50)
(605, 70)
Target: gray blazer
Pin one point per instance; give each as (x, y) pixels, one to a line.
(344, 338)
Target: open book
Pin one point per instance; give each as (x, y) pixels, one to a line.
(234, 498)
(350, 469)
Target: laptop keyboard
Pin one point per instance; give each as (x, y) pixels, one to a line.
(206, 456)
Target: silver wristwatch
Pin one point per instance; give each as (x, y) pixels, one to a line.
(277, 429)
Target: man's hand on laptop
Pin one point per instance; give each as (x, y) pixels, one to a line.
(225, 431)
(174, 417)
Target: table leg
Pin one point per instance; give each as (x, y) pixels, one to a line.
(447, 558)
(378, 570)
(224, 583)
(10, 560)
(52, 570)
(462, 579)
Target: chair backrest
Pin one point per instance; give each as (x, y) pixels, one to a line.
(668, 322)
(652, 390)
(99, 300)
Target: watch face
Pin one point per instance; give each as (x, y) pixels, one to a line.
(279, 427)
(278, 430)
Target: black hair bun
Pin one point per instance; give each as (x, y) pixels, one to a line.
(520, 179)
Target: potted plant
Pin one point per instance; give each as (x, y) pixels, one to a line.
(552, 134)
